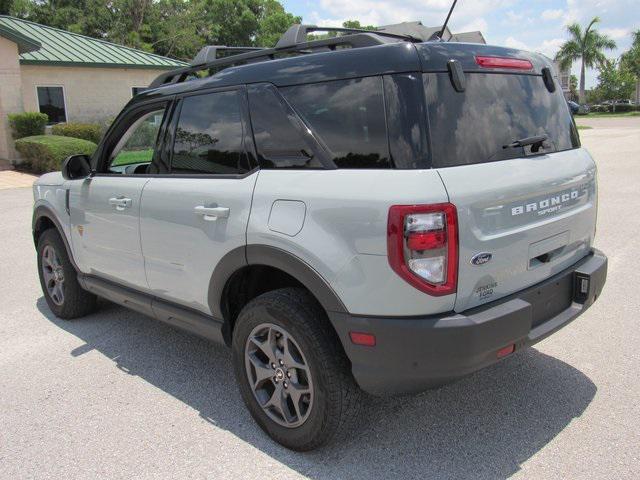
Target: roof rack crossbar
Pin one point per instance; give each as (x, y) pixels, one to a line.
(297, 34)
(357, 38)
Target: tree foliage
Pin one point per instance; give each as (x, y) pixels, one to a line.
(175, 28)
(615, 81)
(631, 60)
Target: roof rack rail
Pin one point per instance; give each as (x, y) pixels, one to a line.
(210, 53)
(294, 40)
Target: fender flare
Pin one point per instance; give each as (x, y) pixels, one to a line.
(43, 211)
(273, 257)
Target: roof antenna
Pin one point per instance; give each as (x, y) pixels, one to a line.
(447, 20)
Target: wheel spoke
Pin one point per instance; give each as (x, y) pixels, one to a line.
(288, 357)
(279, 375)
(266, 346)
(48, 275)
(296, 392)
(262, 371)
(277, 402)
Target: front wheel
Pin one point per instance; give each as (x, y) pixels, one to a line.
(291, 370)
(59, 280)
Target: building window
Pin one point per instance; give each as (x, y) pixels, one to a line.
(51, 101)
(136, 90)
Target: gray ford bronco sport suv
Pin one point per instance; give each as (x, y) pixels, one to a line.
(360, 213)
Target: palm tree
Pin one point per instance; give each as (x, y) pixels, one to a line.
(587, 46)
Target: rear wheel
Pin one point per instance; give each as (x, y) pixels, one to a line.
(291, 370)
(59, 280)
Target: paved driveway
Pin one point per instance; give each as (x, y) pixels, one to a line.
(117, 395)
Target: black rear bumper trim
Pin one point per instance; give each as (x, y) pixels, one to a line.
(413, 354)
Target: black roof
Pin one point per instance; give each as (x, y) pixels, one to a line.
(386, 58)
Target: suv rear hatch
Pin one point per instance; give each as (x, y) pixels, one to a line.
(525, 212)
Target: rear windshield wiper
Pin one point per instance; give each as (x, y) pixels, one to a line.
(535, 142)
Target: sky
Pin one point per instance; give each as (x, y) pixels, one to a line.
(531, 25)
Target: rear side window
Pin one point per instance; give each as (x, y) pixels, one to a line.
(494, 111)
(277, 132)
(209, 135)
(348, 116)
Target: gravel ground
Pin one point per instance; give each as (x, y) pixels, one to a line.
(117, 395)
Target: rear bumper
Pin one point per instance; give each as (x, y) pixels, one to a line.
(414, 354)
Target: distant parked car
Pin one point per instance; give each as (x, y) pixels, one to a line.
(577, 109)
(573, 107)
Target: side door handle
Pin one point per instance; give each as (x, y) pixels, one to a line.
(120, 202)
(212, 213)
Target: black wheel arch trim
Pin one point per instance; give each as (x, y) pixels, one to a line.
(275, 257)
(47, 212)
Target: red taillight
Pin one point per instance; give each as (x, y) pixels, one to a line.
(422, 245)
(365, 339)
(501, 62)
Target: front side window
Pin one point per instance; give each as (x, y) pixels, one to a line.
(51, 102)
(209, 135)
(135, 149)
(349, 118)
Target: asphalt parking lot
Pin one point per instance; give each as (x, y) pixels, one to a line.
(118, 395)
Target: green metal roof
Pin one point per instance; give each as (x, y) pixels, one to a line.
(58, 47)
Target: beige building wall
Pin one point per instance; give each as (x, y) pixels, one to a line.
(10, 95)
(91, 94)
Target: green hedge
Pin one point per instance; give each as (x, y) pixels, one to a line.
(45, 153)
(27, 124)
(622, 107)
(85, 131)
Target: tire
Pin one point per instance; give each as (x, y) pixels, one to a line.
(69, 300)
(332, 405)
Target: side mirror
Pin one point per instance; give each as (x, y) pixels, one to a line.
(76, 166)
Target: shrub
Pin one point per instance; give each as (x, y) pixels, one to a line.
(85, 131)
(27, 124)
(45, 153)
(624, 107)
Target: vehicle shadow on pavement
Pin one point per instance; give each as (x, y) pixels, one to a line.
(484, 426)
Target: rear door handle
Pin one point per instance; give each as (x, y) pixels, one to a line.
(120, 202)
(212, 213)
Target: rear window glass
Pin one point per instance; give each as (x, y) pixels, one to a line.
(495, 110)
(348, 116)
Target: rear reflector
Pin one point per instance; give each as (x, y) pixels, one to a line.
(360, 338)
(501, 62)
(508, 350)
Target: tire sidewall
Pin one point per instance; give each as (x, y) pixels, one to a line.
(298, 437)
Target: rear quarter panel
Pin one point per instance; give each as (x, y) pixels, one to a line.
(343, 235)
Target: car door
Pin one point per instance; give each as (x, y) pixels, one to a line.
(105, 207)
(198, 212)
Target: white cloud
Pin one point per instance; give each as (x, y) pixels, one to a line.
(615, 33)
(513, 17)
(547, 47)
(515, 43)
(550, 47)
(552, 14)
(477, 24)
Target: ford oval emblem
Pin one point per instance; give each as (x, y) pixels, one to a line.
(481, 258)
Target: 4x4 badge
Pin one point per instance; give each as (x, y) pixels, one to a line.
(481, 258)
